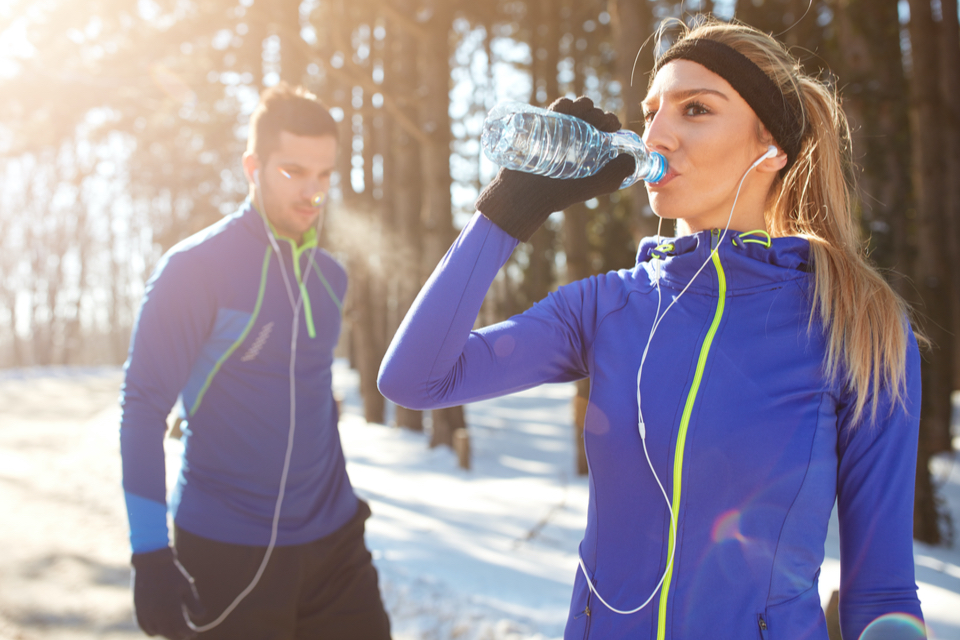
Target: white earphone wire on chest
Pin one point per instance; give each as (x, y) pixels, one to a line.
(641, 425)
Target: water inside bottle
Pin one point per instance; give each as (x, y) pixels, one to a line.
(555, 145)
(551, 146)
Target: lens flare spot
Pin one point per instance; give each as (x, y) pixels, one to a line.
(596, 421)
(504, 346)
(727, 527)
(318, 198)
(895, 626)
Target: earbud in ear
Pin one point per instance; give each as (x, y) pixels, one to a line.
(771, 152)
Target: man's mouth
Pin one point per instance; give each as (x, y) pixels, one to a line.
(305, 209)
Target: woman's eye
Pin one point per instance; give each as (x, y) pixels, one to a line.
(695, 109)
(648, 116)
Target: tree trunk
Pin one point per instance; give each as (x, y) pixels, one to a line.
(73, 330)
(950, 90)
(365, 334)
(445, 424)
(437, 207)
(366, 292)
(404, 175)
(251, 55)
(871, 66)
(539, 274)
(630, 23)
(929, 275)
(293, 58)
(576, 247)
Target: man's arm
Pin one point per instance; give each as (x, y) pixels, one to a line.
(174, 319)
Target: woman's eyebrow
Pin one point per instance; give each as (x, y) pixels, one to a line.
(685, 94)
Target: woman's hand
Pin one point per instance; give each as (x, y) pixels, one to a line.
(519, 202)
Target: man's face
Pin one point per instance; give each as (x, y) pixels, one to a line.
(293, 182)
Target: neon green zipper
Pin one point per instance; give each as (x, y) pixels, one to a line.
(308, 241)
(682, 438)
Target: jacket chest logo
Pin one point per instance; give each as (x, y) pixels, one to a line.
(258, 343)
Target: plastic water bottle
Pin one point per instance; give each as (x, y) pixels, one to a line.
(526, 138)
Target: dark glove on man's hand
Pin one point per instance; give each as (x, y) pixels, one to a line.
(519, 202)
(161, 587)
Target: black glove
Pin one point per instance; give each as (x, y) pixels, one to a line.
(519, 202)
(161, 587)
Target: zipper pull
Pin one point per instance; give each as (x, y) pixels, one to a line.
(587, 611)
(762, 622)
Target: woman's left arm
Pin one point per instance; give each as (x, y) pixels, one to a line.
(875, 489)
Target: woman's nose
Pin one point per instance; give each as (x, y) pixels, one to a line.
(658, 135)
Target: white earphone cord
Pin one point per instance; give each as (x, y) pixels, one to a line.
(295, 304)
(658, 318)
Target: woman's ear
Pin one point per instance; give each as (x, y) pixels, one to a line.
(773, 161)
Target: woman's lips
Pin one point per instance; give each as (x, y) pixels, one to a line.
(671, 174)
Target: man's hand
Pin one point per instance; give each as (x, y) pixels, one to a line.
(519, 202)
(161, 589)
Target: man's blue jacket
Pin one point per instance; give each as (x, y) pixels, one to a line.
(214, 331)
(752, 442)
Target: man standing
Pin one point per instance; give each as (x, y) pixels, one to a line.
(239, 322)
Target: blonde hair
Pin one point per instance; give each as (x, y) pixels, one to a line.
(863, 318)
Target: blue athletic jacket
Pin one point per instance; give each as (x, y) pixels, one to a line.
(215, 329)
(753, 445)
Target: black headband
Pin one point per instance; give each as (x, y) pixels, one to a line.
(781, 117)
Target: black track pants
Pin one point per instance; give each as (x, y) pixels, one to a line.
(323, 590)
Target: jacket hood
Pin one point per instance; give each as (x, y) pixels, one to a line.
(749, 259)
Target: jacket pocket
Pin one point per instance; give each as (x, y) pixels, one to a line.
(585, 616)
(800, 618)
(762, 627)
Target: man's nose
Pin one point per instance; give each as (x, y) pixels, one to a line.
(312, 187)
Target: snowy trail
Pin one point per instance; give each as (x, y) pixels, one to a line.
(483, 554)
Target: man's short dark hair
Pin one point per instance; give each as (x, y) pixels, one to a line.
(291, 109)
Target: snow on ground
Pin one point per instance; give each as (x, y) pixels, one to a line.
(483, 554)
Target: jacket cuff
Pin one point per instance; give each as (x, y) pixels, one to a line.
(152, 558)
(518, 212)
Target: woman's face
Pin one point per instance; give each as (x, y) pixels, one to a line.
(709, 136)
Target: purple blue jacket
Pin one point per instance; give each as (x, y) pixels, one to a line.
(214, 331)
(753, 443)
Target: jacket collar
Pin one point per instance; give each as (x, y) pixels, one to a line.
(748, 259)
(252, 219)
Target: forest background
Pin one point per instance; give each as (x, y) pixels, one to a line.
(122, 125)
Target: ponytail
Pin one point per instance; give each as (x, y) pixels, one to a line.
(861, 314)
